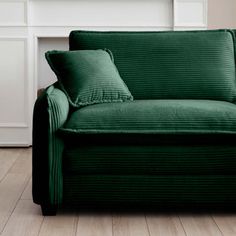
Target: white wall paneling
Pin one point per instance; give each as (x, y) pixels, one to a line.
(16, 137)
(13, 13)
(190, 14)
(45, 74)
(101, 13)
(14, 98)
(13, 88)
(29, 28)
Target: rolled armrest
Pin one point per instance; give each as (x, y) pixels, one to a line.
(50, 113)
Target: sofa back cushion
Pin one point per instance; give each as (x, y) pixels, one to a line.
(169, 65)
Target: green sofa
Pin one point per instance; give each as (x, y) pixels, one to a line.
(172, 146)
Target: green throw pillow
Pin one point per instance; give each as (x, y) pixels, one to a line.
(88, 76)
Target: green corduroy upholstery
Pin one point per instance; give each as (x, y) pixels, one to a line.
(50, 112)
(151, 159)
(169, 65)
(173, 146)
(88, 77)
(161, 191)
(154, 116)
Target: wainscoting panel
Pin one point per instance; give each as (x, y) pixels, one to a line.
(13, 12)
(13, 83)
(190, 13)
(101, 13)
(14, 95)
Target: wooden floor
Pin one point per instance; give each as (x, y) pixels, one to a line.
(20, 216)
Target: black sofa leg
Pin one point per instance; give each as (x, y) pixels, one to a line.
(49, 210)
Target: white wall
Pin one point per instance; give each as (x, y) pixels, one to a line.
(221, 14)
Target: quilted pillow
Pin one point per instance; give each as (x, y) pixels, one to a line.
(88, 76)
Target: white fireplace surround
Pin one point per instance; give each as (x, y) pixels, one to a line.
(28, 28)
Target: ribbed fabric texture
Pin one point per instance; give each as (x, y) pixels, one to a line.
(151, 160)
(88, 77)
(169, 65)
(214, 190)
(154, 117)
(50, 113)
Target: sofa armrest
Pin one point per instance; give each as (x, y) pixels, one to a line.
(50, 113)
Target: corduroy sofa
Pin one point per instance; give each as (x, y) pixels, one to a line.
(174, 145)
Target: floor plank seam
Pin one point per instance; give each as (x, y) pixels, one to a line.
(112, 222)
(27, 182)
(14, 162)
(76, 224)
(182, 225)
(40, 228)
(25, 188)
(217, 225)
(14, 207)
(149, 233)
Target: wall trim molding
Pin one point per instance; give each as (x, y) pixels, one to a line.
(14, 125)
(25, 7)
(100, 13)
(181, 24)
(26, 98)
(15, 144)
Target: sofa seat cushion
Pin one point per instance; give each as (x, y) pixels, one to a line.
(154, 117)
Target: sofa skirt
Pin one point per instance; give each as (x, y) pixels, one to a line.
(142, 190)
(178, 159)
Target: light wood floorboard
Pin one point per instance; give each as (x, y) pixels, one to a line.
(26, 220)
(11, 188)
(226, 223)
(19, 216)
(27, 194)
(13, 183)
(130, 225)
(94, 225)
(64, 224)
(7, 159)
(23, 163)
(165, 224)
(200, 225)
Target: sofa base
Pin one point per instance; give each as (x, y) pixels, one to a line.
(140, 207)
(173, 191)
(49, 210)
